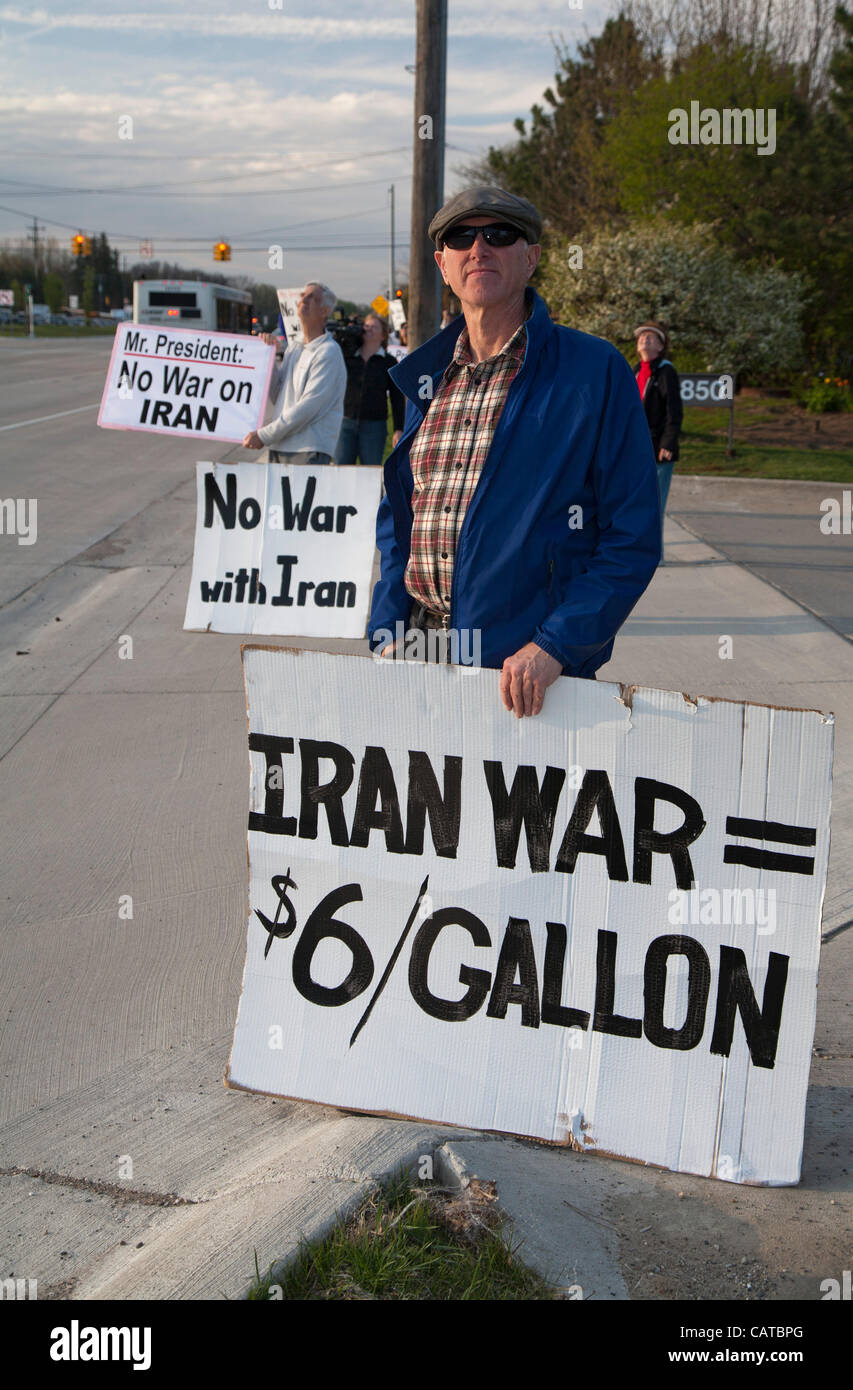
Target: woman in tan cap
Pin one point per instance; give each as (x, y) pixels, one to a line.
(660, 389)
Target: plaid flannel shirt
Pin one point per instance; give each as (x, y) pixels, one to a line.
(446, 459)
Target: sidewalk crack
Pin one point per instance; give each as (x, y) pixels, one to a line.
(105, 1189)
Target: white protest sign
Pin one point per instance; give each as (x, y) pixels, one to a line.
(283, 548)
(186, 382)
(472, 919)
(287, 302)
(398, 351)
(396, 312)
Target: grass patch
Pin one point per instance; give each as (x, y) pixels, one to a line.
(412, 1241)
(702, 446)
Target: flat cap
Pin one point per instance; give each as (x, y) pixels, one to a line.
(483, 201)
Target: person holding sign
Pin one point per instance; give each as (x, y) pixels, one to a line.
(660, 390)
(308, 389)
(521, 503)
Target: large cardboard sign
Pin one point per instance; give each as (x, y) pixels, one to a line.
(186, 382)
(598, 927)
(287, 302)
(283, 548)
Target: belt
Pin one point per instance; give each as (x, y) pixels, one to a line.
(424, 617)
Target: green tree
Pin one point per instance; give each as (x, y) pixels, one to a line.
(87, 297)
(54, 291)
(557, 162)
(722, 315)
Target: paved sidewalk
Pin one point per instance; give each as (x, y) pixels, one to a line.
(219, 1176)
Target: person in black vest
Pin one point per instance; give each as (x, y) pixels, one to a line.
(364, 425)
(660, 389)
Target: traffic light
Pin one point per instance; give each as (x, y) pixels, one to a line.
(87, 246)
(221, 251)
(78, 245)
(399, 294)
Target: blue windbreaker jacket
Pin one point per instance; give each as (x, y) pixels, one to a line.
(572, 433)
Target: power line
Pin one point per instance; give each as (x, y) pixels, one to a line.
(42, 190)
(239, 157)
(148, 236)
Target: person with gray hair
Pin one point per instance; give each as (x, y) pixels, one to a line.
(308, 388)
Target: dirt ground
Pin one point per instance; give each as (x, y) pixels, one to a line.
(766, 421)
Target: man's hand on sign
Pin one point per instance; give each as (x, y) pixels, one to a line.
(270, 339)
(525, 677)
(253, 440)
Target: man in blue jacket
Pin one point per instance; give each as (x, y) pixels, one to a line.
(521, 502)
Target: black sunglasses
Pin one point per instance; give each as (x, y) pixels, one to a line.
(461, 237)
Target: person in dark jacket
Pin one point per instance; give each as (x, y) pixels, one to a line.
(365, 421)
(660, 389)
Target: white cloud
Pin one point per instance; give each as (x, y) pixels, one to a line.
(476, 19)
(236, 94)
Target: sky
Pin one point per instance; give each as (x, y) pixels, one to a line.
(261, 122)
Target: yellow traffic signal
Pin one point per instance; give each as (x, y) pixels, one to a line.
(221, 251)
(78, 245)
(87, 246)
(399, 294)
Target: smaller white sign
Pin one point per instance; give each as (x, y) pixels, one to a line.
(186, 382)
(396, 312)
(7, 299)
(287, 302)
(283, 549)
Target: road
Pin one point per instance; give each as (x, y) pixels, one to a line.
(125, 781)
(774, 530)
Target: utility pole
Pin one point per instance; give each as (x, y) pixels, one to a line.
(391, 248)
(428, 180)
(34, 233)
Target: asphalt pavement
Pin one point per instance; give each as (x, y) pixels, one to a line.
(126, 1169)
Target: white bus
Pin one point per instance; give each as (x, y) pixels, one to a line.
(192, 304)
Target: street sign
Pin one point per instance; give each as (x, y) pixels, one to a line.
(7, 299)
(146, 249)
(706, 388)
(711, 389)
(380, 304)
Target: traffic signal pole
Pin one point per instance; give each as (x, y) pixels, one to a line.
(391, 246)
(424, 313)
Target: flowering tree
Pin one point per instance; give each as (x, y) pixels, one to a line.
(725, 316)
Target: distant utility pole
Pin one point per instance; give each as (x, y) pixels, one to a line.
(391, 247)
(34, 233)
(428, 181)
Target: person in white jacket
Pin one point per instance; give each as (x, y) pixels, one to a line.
(308, 389)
